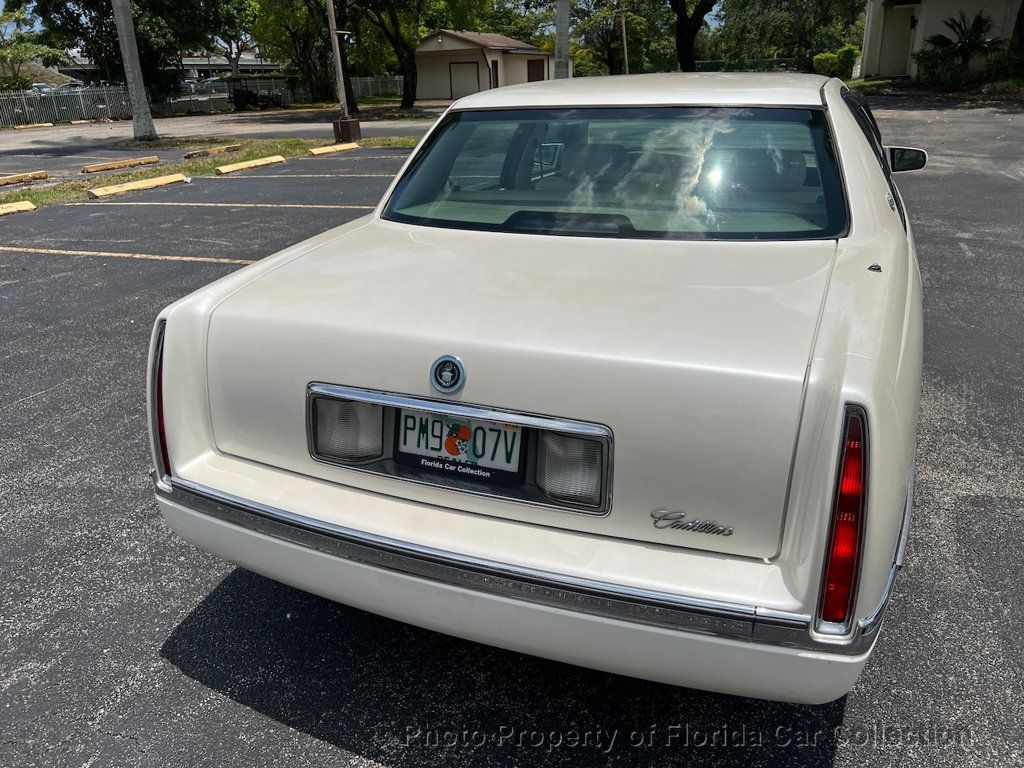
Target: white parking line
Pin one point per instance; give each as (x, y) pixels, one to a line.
(118, 255)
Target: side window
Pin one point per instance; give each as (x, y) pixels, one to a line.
(869, 127)
(547, 160)
(479, 164)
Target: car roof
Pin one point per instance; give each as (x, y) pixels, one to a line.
(669, 88)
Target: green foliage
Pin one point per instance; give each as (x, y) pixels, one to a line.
(519, 20)
(838, 64)
(404, 23)
(846, 57)
(797, 29)
(597, 26)
(971, 37)
(946, 63)
(21, 44)
(232, 28)
(1005, 65)
(15, 83)
(826, 64)
(163, 29)
(938, 67)
(294, 32)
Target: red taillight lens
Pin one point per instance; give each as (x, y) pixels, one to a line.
(158, 397)
(841, 566)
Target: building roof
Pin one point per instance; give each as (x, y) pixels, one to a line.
(671, 88)
(491, 40)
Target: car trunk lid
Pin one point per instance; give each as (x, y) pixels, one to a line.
(692, 353)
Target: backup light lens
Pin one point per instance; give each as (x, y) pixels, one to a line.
(569, 468)
(845, 537)
(349, 430)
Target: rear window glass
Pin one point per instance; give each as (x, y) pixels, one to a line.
(663, 172)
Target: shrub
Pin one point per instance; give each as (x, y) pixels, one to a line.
(1004, 66)
(825, 64)
(15, 83)
(846, 57)
(939, 67)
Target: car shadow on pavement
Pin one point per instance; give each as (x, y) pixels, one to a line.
(400, 695)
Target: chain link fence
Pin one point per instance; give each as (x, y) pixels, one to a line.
(63, 106)
(377, 86)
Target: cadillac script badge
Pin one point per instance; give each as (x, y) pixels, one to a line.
(664, 519)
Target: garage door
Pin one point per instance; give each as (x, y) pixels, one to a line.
(465, 78)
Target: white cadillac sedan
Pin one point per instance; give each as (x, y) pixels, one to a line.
(622, 372)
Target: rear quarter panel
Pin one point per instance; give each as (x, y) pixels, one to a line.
(868, 352)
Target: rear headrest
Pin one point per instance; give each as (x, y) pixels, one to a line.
(767, 170)
(604, 164)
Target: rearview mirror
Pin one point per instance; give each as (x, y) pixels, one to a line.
(906, 159)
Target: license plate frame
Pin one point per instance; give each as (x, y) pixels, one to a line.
(453, 467)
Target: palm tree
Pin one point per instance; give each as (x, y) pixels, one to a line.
(972, 38)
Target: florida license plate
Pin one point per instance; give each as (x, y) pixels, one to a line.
(466, 448)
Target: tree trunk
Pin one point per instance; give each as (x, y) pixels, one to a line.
(687, 28)
(141, 117)
(390, 25)
(686, 38)
(408, 63)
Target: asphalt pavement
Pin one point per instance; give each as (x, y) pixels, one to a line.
(121, 645)
(63, 149)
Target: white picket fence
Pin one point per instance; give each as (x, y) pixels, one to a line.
(24, 108)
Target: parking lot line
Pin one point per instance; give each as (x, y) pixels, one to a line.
(119, 255)
(233, 205)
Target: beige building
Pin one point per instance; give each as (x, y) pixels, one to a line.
(894, 29)
(451, 64)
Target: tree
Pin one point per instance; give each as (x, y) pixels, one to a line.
(403, 23)
(295, 32)
(649, 25)
(232, 32)
(519, 19)
(971, 37)
(142, 120)
(760, 29)
(689, 22)
(20, 44)
(163, 29)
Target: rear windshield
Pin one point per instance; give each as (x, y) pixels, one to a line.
(661, 172)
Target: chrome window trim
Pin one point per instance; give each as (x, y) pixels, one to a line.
(730, 621)
(588, 430)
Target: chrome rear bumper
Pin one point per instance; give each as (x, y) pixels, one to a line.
(612, 601)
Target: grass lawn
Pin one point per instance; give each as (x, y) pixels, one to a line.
(201, 166)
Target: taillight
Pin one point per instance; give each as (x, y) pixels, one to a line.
(159, 431)
(846, 532)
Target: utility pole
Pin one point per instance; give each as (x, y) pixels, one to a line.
(346, 128)
(562, 40)
(625, 50)
(142, 120)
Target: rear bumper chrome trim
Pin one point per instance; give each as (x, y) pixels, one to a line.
(727, 620)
